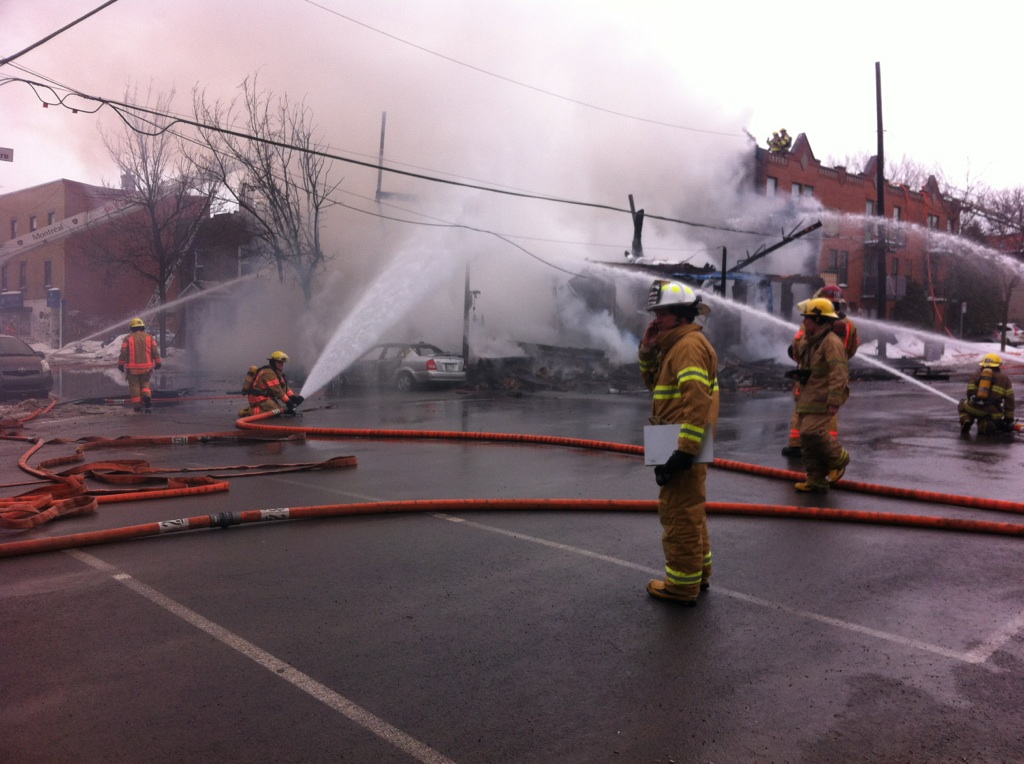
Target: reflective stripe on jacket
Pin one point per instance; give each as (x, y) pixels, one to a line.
(1000, 399)
(825, 357)
(270, 384)
(682, 372)
(139, 352)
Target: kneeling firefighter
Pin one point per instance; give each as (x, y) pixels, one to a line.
(989, 400)
(268, 388)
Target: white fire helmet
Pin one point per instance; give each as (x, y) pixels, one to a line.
(667, 294)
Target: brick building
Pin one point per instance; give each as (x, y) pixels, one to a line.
(45, 251)
(913, 237)
(53, 289)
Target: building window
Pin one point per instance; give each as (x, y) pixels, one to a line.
(33, 222)
(799, 189)
(933, 221)
(48, 273)
(3, 278)
(14, 228)
(22, 275)
(870, 285)
(838, 263)
(871, 225)
(51, 217)
(771, 186)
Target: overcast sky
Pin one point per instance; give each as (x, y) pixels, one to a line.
(585, 99)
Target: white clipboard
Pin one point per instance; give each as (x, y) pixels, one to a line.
(660, 440)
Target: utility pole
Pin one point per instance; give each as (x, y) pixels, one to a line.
(883, 292)
(380, 161)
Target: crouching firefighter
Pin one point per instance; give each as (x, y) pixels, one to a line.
(268, 389)
(989, 400)
(140, 354)
(680, 367)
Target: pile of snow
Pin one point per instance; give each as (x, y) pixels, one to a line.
(93, 351)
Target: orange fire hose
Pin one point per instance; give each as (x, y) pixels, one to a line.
(933, 497)
(226, 519)
(73, 479)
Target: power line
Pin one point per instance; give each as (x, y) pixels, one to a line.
(118, 107)
(49, 37)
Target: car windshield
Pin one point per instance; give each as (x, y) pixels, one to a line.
(427, 350)
(14, 346)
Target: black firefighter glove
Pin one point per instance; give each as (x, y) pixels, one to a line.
(295, 400)
(680, 461)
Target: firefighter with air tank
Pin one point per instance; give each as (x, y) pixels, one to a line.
(268, 389)
(989, 400)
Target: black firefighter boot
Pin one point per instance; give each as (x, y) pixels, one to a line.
(147, 404)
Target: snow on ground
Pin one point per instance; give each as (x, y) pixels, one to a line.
(909, 344)
(89, 351)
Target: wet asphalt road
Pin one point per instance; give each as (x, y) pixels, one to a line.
(521, 636)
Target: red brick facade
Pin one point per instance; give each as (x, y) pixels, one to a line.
(852, 241)
(95, 298)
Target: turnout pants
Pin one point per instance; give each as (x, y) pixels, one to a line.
(681, 509)
(794, 428)
(819, 448)
(138, 387)
(988, 421)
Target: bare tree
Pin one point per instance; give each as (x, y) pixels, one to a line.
(272, 170)
(1000, 217)
(170, 202)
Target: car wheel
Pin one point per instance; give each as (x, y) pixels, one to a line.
(405, 382)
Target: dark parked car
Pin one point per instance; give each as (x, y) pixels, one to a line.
(405, 365)
(23, 371)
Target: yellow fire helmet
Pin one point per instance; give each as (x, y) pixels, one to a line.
(136, 323)
(991, 361)
(817, 307)
(277, 355)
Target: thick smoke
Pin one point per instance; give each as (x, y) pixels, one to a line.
(454, 122)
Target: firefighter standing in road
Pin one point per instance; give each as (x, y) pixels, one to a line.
(846, 330)
(826, 389)
(270, 390)
(140, 354)
(989, 400)
(680, 367)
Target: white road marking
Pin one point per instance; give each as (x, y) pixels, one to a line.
(279, 668)
(976, 656)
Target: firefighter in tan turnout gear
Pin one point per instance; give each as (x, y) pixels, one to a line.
(679, 365)
(989, 400)
(268, 388)
(846, 330)
(826, 389)
(140, 354)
